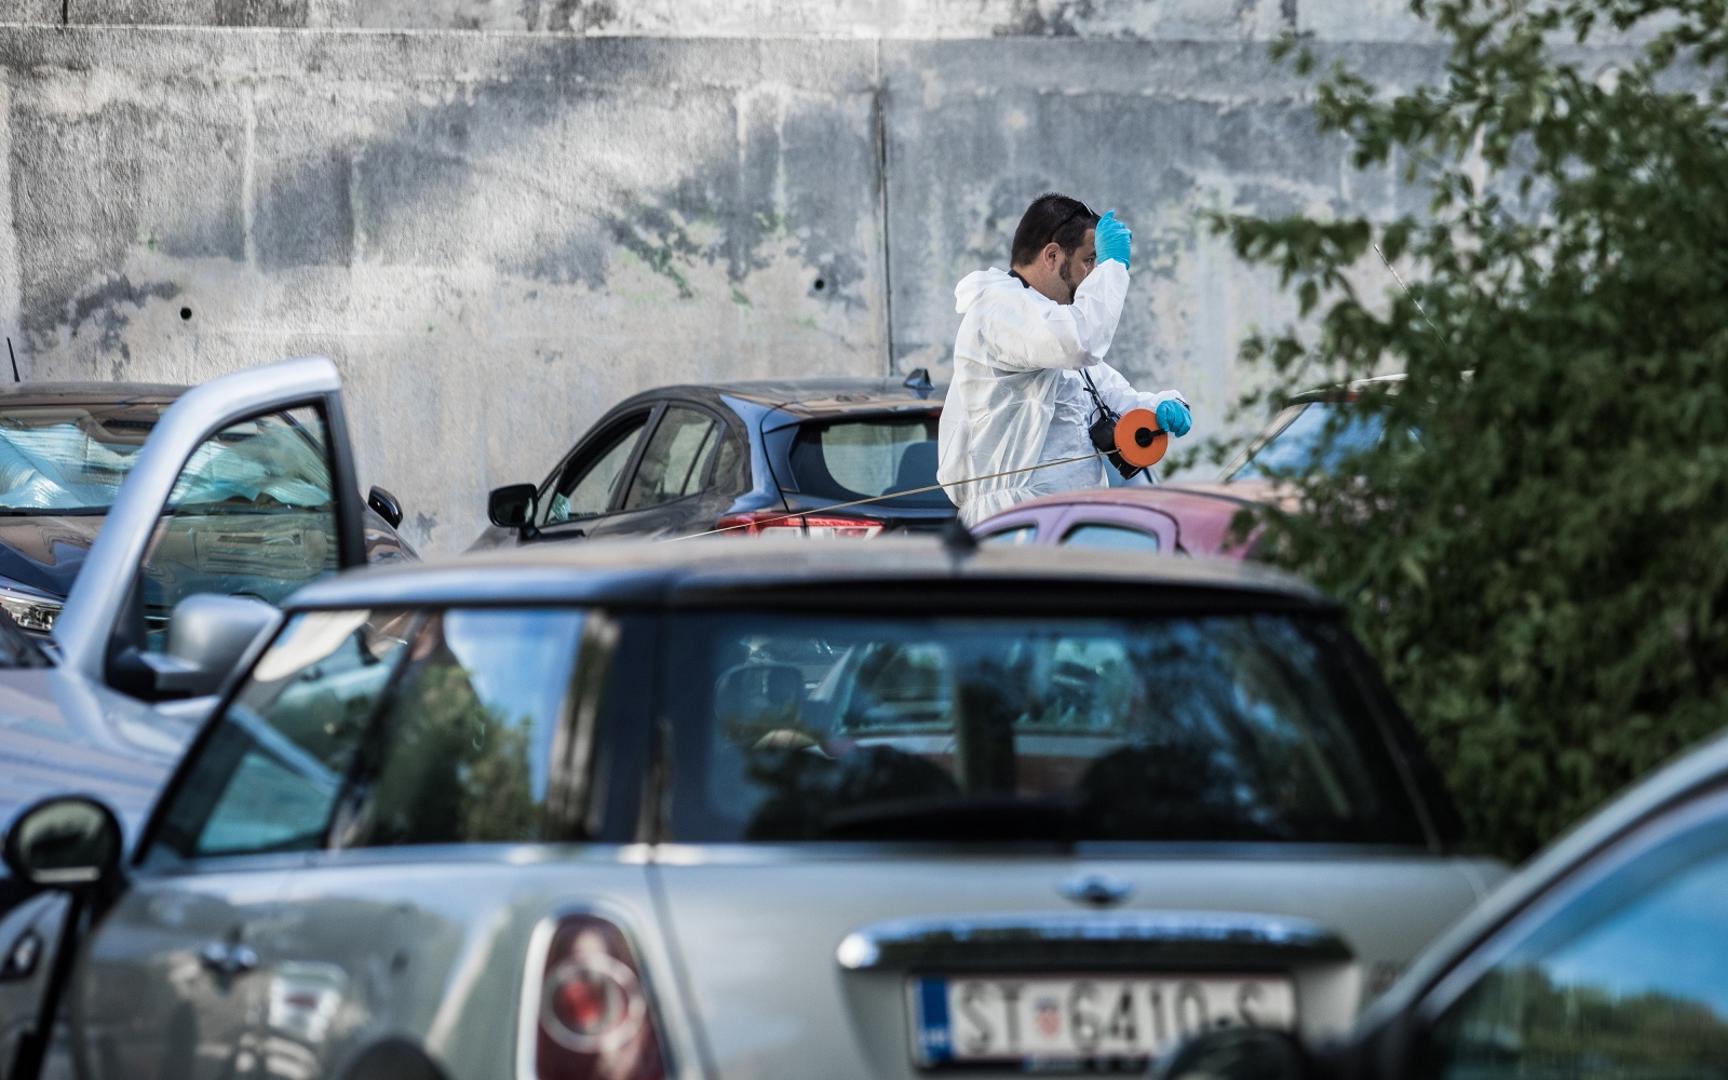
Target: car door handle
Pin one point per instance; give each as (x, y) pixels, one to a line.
(227, 960)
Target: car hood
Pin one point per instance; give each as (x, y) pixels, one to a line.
(46, 552)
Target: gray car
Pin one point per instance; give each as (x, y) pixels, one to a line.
(751, 808)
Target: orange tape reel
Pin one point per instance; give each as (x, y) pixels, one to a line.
(1139, 439)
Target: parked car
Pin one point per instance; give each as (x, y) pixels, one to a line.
(1198, 518)
(758, 808)
(242, 486)
(1168, 518)
(65, 449)
(745, 456)
(1602, 957)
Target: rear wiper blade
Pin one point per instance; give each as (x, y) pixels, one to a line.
(961, 817)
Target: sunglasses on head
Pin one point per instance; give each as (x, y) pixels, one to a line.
(1079, 208)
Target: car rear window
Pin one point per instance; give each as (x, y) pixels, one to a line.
(1197, 728)
(869, 457)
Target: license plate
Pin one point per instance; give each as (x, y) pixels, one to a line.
(1044, 1020)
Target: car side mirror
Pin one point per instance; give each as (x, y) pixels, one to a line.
(512, 506)
(1239, 1054)
(385, 505)
(760, 694)
(62, 841)
(208, 634)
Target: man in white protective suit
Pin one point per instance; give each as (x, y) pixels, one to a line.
(1029, 372)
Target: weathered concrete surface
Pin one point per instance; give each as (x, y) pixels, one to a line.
(499, 232)
(1144, 20)
(494, 237)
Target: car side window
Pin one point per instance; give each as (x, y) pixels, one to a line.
(468, 736)
(380, 728)
(1094, 534)
(587, 488)
(1019, 534)
(268, 777)
(253, 514)
(1628, 978)
(675, 462)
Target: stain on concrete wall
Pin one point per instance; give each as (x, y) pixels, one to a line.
(494, 238)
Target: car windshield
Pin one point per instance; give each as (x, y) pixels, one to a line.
(863, 459)
(72, 459)
(1298, 444)
(1241, 727)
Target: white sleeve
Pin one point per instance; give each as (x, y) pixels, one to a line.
(1033, 333)
(1119, 395)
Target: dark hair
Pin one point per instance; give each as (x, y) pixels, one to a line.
(1051, 217)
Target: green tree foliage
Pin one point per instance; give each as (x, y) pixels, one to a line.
(1543, 569)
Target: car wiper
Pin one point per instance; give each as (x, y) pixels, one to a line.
(962, 817)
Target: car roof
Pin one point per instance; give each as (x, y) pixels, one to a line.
(809, 397)
(51, 393)
(895, 571)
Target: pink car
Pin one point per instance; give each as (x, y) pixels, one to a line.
(1182, 520)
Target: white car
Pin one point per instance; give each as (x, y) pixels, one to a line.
(762, 809)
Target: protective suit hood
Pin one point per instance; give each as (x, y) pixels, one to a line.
(976, 284)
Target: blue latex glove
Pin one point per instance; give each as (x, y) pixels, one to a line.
(1174, 417)
(1114, 240)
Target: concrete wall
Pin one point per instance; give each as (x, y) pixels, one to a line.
(500, 216)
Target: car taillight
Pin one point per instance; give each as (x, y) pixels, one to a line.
(779, 523)
(593, 1017)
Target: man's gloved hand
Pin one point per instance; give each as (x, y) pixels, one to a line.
(1114, 240)
(1174, 417)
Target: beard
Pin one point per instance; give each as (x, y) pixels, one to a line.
(1069, 278)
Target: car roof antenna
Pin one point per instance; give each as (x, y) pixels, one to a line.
(14, 357)
(919, 381)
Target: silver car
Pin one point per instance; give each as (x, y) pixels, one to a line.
(745, 808)
(244, 485)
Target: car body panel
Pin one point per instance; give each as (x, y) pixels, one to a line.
(770, 992)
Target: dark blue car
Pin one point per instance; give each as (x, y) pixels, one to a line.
(683, 460)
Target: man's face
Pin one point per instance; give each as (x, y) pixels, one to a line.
(1075, 268)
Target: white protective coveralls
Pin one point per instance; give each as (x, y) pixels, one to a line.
(1017, 398)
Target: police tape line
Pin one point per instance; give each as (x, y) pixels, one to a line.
(760, 523)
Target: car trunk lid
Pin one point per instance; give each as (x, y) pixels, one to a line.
(797, 955)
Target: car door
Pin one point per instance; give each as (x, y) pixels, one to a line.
(247, 485)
